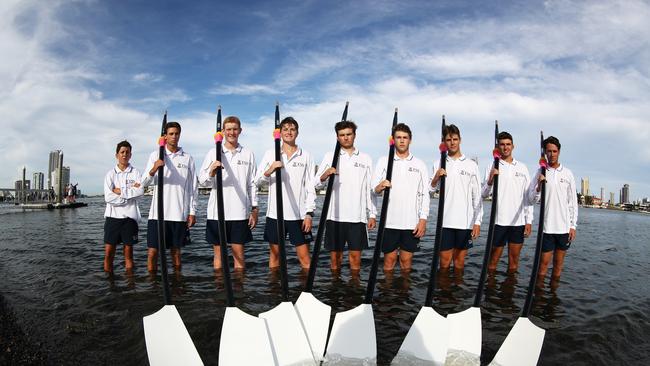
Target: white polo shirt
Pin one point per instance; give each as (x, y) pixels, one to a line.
(463, 203)
(561, 212)
(125, 204)
(352, 197)
(409, 194)
(514, 207)
(238, 177)
(180, 193)
(298, 193)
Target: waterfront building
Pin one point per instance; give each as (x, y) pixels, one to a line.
(584, 187)
(602, 194)
(55, 157)
(611, 198)
(39, 180)
(625, 194)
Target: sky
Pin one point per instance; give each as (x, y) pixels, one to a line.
(80, 76)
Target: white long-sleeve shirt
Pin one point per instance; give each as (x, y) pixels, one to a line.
(351, 199)
(238, 177)
(298, 193)
(125, 204)
(514, 207)
(463, 203)
(180, 192)
(561, 211)
(409, 193)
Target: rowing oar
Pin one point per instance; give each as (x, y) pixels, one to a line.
(427, 339)
(244, 340)
(167, 339)
(353, 335)
(523, 344)
(288, 338)
(465, 327)
(315, 315)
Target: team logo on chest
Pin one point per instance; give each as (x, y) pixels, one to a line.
(297, 164)
(464, 172)
(181, 166)
(360, 165)
(242, 162)
(520, 175)
(414, 170)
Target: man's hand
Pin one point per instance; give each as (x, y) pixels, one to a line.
(420, 229)
(493, 172)
(306, 224)
(155, 167)
(540, 179)
(382, 185)
(117, 191)
(327, 173)
(527, 230)
(476, 231)
(437, 176)
(572, 235)
(252, 219)
(275, 165)
(191, 220)
(214, 166)
(372, 223)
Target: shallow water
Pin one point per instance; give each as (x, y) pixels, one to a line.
(51, 266)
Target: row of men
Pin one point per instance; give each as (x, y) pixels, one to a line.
(353, 210)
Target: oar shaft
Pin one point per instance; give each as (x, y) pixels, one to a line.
(280, 212)
(372, 278)
(162, 241)
(323, 215)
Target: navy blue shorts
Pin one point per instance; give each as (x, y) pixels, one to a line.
(508, 235)
(552, 242)
(293, 228)
(120, 231)
(402, 239)
(338, 234)
(177, 234)
(237, 231)
(456, 239)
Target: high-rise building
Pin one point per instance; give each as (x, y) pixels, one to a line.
(19, 185)
(625, 193)
(602, 194)
(65, 179)
(55, 156)
(584, 187)
(39, 180)
(611, 198)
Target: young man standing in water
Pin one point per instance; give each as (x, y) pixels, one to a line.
(298, 194)
(353, 209)
(180, 197)
(515, 211)
(122, 188)
(463, 205)
(239, 193)
(406, 221)
(561, 216)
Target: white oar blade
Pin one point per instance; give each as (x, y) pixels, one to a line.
(167, 339)
(315, 319)
(288, 338)
(426, 341)
(522, 346)
(353, 339)
(465, 336)
(244, 340)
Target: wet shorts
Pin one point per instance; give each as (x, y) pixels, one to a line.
(508, 235)
(338, 234)
(176, 234)
(456, 239)
(402, 239)
(552, 242)
(120, 231)
(237, 231)
(293, 228)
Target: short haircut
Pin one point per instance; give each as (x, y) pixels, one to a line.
(402, 127)
(122, 144)
(450, 130)
(289, 121)
(503, 135)
(172, 124)
(552, 140)
(232, 119)
(345, 124)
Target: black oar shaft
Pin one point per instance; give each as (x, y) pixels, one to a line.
(528, 304)
(221, 222)
(372, 278)
(431, 288)
(323, 215)
(280, 210)
(493, 215)
(162, 241)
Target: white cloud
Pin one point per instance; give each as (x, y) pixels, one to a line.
(145, 77)
(243, 89)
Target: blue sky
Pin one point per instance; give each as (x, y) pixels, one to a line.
(82, 75)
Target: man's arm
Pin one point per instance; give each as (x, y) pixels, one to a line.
(110, 197)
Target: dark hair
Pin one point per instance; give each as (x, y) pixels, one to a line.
(289, 121)
(172, 125)
(402, 127)
(122, 144)
(345, 124)
(450, 130)
(232, 119)
(503, 135)
(552, 140)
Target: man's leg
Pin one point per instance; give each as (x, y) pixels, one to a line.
(390, 259)
(459, 259)
(216, 262)
(238, 255)
(405, 259)
(128, 257)
(336, 257)
(445, 259)
(152, 260)
(176, 258)
(558, 263)
(494, 257)
(543, 267)
(274, 255)
(109, 255)
(514, 249)
(302, 252)
(355, 259)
